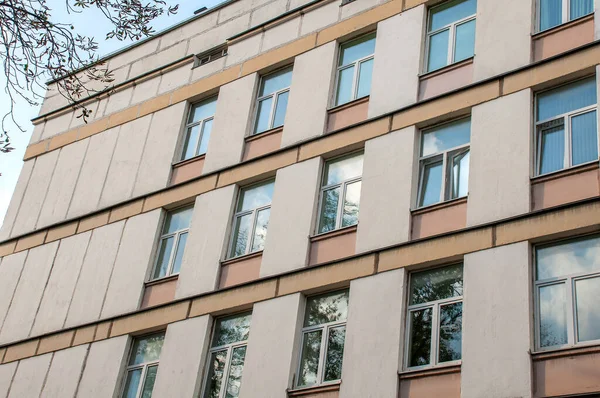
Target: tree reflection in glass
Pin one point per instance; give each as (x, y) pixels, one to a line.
(335, 354)
(309, 364)
(436, 284)
(420, 337)
(326, 308)
(450, 348)
(235, 372)
(216, 367)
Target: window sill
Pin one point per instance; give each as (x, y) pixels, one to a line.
(265, 133)
(241, 258)
(431, 371)
(580, 349)
(580, 168)
(299, 392)
(350, 104)
(335, 232)
(563, 26)
(440, 205)
(446, 68)
(187, 161)
(164, 279)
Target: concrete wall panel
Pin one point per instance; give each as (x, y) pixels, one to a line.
(119, 100)
(7, 371)
(64, 373)
(104, 369)
(57, 125)
(29, 378)
(10, 269)
(280, 34)
(17, 197)
(294, 199)
(319, 17)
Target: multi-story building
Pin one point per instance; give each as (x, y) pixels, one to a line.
(278, 200)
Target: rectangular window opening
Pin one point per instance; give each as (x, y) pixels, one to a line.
(171, 244)
(355, 68)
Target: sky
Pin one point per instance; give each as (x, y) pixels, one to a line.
(11, 163)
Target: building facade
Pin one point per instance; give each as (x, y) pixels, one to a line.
(277, 200)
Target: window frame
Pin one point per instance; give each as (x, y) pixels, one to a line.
(451, 38)
(177, 239)
(189, 125)
(357, 64)
(144, 366)
(566, 15)
(275, 95)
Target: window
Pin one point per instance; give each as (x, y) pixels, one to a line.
(450, 33)
(435, 317)
(323, 336)
(355, 67)
(198, 128)
(226, 357)
(444, 163)
(210, 56)
(566, 132)
(172, 242)
(340, 193)
(567, 283)
(142, 366)
(272, 100)
(251, 219)
(555, 12)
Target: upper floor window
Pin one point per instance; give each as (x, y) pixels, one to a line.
(142, 366)
(323, 336)
(340, 193)
(567, 283)
(435, 317)
(355, 67)
(272, 100)
(198, 128)
(226, 357)
(210, 56)
(555, 12)
(566, 132)
(172, 242)
(251, 219)
(450, 33)
(444, 163)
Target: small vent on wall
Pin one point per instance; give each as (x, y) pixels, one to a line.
(210, 56)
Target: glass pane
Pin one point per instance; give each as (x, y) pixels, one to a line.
(276, 81)
(431, 184)
(357, 49)
(282, 101)
(571, 257)
(445, 137)
(585, 138)
(344, 89)
(579, 8)
(149, 382)
(436, 284)
(263, 117)
(132, 384)
(550, 13)
(450, 348)
(191, 139)
(566, 99)
(351, 204)
(330, 307)
(205, 137)
(256, 196)
(241, 231)
(164, 255)
(450, 12)
(235, 372)
(178, 220)
(420, 337)
(552, 146)
(343, 169)
(438, 50)
(335, 354)
(364, 78)
(460, 175)
(203, 110)
(147, 349)
(309, 362)
(588, 317)
(215, 374)
(260, 233)
(179, 254)
(329, 207)
(232, 329)
(553, 315)
(465, 41)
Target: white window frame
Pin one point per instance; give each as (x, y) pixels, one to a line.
(357, 64)
(188, 126)
(176, 239)
(451, 38)
(566, 15)
(275, 95)
(144, 366)
(435, 327)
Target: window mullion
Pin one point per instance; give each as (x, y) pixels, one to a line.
(141, 382)
(225, 374)
(570, 304)
(565, 11)
(200, 134)
(173, 251)
(567, 134)
(340, 209)
(250, 240)
(451, 42)
(322, 354)
(444, 176)
(434, 335)
(273, 107)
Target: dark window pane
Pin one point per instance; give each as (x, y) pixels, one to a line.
(232, 329)
(149, 382)
(329, 208)
(205, 137)
(553, 315)
(147, 349)
(344, 89)
(241, 234)
(164, 255)
(570, 257)
(579, 8)
(330, 307)
(553, 150)
(450, 348)
(335, 354)
(550, 13)
(585, 138)
(432, 184)
(420, 338)
(436, 284)
(263, 117)
(179, 253)
(566, 99)
(309, 362)
(238, 356)
(215, 374)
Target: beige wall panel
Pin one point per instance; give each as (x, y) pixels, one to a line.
(36, 135)
(234, 10)
(356, 7)
(125, 161)
(57, 125)
(33, 199)
(242, 50)
(503, 27)
(145, 90)
(232, 118)
(133, 54)
(396, 70)
(93, 173)
(294, 200)
(267, 12)
(496, 323)
(29, 378)
(189, 30)
(280, 34)
(10, 269)
(206, 242)
(182, 360)
(155, 166)
(157, 60)
(104, 368)
(61, 284)
(500, 158)
(119, 100)
(309, 94)
(126, 285)
(596, 20)
(175, 78)
(95, 273)
(385, 195)
(272, 346)
(218, 35)
(17, 197)
(319, 17)
(28, 293)
(65, 369)
(7, 371)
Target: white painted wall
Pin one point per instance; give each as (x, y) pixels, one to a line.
(7, 372)
(10, 268)
(29, 377)
(64, 373)
(104, 369)
(15, 201)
